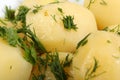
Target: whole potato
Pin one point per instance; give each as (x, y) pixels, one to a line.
(49, 27)
(99, 58)
(106, 11)
(13, 65)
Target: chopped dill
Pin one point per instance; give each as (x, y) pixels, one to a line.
(91, 71)
(54, 18)
(83, 41)
(103, 2)
(9, 13)
(68, 23)
(60, 10)
(90, 3)
(36, 8)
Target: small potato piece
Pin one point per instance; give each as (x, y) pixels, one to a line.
(99, 58)
(12, 64)
(106, 11)
(49, 28)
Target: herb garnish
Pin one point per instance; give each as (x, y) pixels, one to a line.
(103, 2)
(29, 42)
(60, 10)
(21, 16)
(56, 66)
(116, 29)
(91, 71)
(54, 18)
(90, 3)
(9, 13)
(68, 23)
(36, 8)
(83, 41)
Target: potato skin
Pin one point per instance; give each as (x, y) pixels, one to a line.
(13, 65)
(104, 48)
(106, 13)
(52, 33)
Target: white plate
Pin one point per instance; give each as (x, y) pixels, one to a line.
(15, 3)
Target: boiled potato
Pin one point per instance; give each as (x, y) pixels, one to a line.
(99, 58)
(48, 73)
(13, 65)
(31, 3)
(49, 28)
(106, 11)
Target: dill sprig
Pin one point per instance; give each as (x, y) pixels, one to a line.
(29, 43)
(68, 23)
(36, 8)
(91, 71)
(103, 2)
(60, 10)
(12, 37)
(9, 13)
(115, 29)
(83, 41)
(21, 15)
(90, 3)
(56, 66)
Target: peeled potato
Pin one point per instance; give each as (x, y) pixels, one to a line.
(99, 58)
(106, 11)
(50, 30)
(13, 65)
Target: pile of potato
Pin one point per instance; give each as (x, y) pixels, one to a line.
(94, 46)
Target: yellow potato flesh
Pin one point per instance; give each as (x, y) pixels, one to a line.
(106, 12)
(52, 33)
(104, 47)
(13, 65)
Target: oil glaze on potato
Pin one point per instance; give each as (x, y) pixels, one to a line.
(13, 65)
(106, 11)
(49, 27)
(99, 58)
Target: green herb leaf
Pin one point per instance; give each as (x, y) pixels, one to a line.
(91, 72)
(36, 8)
(21, 16)
(60, 10)
(90, 3)
(68, 23)
(56, 68)
(103, 2)
(10, 35)
(38, 45)
(9, 13)
(83, 41)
